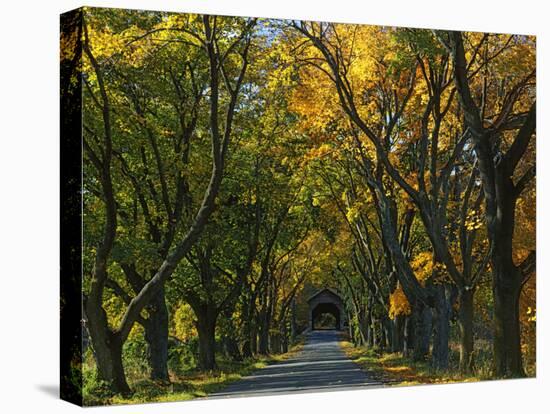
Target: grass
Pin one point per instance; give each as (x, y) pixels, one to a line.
(396, 370)
(194, 384)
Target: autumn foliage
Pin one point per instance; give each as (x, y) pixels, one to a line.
(232, 166)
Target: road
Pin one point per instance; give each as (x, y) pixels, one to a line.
(320, 365)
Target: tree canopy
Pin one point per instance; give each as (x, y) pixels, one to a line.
(234, 165)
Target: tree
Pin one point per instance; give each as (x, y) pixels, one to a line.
(108, 341)
(501, 140)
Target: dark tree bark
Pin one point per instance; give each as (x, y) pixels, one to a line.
(442, 316)
(398, 334)
(375, 335)
(408, 342)
(229, 339)
(465, 325)
(248, 330)
(206, 328)
(501, 193)
(430, 203)
(263, 333)
(254, 339)
(155, 326)
(370, 333)
(156, 336)
(422, 322)
(285, 340)
(107, 342)
(275, 342)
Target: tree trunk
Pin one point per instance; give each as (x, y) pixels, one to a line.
(284, 344)
(275, 342)
(422, 320)
(362, 328)
(230, 335)
(232, 348)
(206, 328)
(254, 339)
(263, 343)
(156, 336)
(398, 336)
(506, 343)
(382, 331)
(119, 377)
(293, 321)
(408, 341)
(386, 326)
(246, 320)
(442, 311)
(247, 347)
(507, 281)
(375, 334)
(465, 325)
(497, 172)
(370, 334)
(107, 350)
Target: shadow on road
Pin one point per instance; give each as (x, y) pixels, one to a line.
(321, 365)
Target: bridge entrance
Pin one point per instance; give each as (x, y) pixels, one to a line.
(326, 310)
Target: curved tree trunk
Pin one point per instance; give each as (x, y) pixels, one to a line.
(119, 377)
(497, 170)
(108, 356)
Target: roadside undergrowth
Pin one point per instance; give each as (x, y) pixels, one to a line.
(394, 369)
(194, 384)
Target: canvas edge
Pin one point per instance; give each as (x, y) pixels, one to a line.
(71, 309)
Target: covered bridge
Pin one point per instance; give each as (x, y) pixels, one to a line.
(326, 301)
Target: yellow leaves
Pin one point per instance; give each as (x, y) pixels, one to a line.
(399, 305)
(183, 326)
(134, 45)
(315, 100)
(412, 180)
(352, 213)
(531, 314)
(104, 43)
(473, 221)
(394, 158)
(68, 45)
(423, 266)
(356, 208)
(317, 153)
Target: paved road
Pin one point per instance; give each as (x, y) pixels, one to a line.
(321, 365)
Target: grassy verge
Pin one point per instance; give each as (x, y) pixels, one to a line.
(194, 384)
(396, 370)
